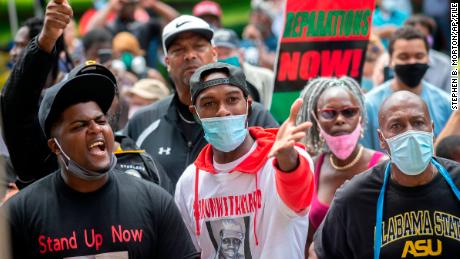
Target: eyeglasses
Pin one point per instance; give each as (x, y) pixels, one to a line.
(331, 113)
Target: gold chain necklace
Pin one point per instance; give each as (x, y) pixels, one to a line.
(351, 164)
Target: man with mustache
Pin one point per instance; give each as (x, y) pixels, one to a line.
(167, 129)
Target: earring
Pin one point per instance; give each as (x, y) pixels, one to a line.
(315, 147)
(362, 133)
(321, 140)
(319, 145)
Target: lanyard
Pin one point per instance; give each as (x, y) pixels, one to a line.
(379, 216)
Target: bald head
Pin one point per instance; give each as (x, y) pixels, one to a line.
(400, 112)
(401, 101)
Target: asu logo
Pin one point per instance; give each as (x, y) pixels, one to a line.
(421, 248)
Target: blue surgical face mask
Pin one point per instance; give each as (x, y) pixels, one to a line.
(411, 151)
(233, 60)
(225, 133)
(366, 84)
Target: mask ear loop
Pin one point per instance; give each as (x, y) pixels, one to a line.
(316, 120)
(321, 139)
(64, 156)
(247, 112)
(196, 116)
(360, 123)
(385, 139)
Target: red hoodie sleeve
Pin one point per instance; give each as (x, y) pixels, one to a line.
(296, 187)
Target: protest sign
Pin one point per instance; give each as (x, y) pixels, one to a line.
(320, 38)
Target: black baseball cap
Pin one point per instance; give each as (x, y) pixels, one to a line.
(86, 82)
(235, 77)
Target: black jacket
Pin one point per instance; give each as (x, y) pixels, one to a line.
(134, 161)
(26, 142)
(162, 132)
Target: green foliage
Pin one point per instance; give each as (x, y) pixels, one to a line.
(236, 13)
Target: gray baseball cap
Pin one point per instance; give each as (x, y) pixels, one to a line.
(226, 38)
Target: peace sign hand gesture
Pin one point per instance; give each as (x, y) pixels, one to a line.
(288, 134)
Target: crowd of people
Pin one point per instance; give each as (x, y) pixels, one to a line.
(150, 136)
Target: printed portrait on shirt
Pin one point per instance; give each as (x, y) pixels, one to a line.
(230, 237)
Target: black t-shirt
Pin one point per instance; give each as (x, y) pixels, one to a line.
(418, 222)
(127, 217)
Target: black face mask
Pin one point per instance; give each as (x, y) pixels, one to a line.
(411, 74)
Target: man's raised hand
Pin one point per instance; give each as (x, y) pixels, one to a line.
(288, 134)
(57, 15)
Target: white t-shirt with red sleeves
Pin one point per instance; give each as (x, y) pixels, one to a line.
(247, 215)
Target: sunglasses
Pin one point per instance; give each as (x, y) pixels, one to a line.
(331, 114)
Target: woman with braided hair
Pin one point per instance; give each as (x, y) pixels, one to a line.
(335, 106)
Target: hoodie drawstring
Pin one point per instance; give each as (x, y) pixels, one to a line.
(196, 212)
(255, 212)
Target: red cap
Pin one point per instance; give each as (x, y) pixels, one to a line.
(207, 7)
